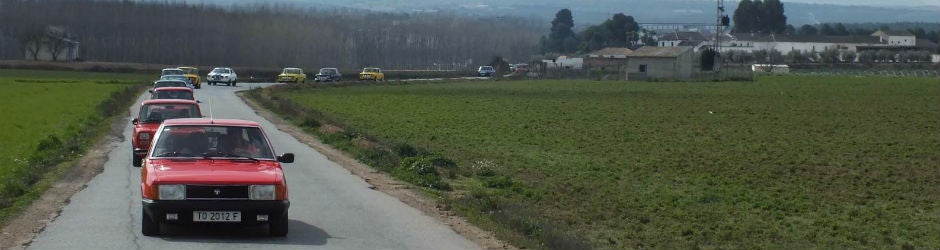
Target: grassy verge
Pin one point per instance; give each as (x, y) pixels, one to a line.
(51, 118)
(781, 162)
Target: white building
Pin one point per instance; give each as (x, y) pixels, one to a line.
(787, 43)
(564, 62)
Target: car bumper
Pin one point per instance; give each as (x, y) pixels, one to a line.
(158, 210)
(219, 79)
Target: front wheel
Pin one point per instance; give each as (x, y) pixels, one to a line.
(278, 228)
(233, 83)
(137, 159)
(148, 227)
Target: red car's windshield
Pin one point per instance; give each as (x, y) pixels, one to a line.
(212, 141)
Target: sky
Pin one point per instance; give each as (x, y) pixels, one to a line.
(883, 3)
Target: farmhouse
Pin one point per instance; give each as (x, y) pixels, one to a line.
(661, 62)
(645, 62)
(51, 45)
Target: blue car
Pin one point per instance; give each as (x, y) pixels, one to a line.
(486, 71)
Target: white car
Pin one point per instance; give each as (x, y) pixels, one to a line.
(222, 75)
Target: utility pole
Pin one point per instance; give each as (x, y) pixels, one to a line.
(721, 21)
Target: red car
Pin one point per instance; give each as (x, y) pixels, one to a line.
(213, 171)
(172, 93)
(152, 113)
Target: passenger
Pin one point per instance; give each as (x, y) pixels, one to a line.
(233, 143)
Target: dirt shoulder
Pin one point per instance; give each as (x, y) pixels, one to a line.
(385, 183)
(24, 227)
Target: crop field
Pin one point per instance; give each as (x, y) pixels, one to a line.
(781, 162)
(42, 110)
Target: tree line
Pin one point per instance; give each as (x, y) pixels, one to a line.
(619, 30)
(265, 35)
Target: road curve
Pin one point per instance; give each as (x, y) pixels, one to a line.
(330, 208)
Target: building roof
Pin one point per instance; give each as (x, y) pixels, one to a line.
(682, 36)
(612, 51)
(808, 39)
(651, 51)
(892, 33)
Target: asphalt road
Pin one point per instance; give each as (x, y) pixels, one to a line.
(330, 208)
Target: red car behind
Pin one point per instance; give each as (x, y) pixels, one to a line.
(151, 114)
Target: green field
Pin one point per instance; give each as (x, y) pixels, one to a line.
(39, 105)
(782, 162)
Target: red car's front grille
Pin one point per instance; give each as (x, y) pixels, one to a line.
(216, 192)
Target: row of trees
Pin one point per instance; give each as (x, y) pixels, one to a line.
(760, 17)
(619, 31)
(826, 56)
(265, 35)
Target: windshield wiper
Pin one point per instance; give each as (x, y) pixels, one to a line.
(227, 155)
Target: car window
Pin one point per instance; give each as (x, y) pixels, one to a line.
(172, 72)
(327, 71)
(185, 95)
(212, 141)
(169, 84)
(160, 112)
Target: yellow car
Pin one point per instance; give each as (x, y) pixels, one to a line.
(292, 75)
(372, 74)
(193, 75)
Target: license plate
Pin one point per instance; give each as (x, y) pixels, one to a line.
(217, 216)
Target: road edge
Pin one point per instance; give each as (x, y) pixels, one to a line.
(23, 228)
(382, 182)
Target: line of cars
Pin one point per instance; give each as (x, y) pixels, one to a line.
(198, 170)
(297, 75)
(514, 69)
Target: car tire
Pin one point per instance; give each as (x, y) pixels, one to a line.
(137, 159)
(233, 83)
(148, 227)
(279, 227)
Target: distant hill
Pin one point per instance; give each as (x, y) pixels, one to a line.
(592, 12)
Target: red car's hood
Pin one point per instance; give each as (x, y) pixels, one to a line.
(218, 171)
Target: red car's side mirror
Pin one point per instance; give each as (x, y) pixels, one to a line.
(286, 158)
(135, 121)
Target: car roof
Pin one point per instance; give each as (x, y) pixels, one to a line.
(211, 121)
(291, 68)
(185, 67)
(168, 101)
(171, 69)
(327, 68)
(221, 68)
(174, 89)
(164, 80)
